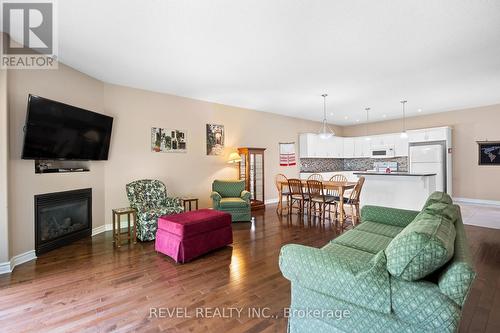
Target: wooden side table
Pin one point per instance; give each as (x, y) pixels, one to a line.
(187, 202)
(117, 233)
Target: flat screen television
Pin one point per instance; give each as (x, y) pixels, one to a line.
(57, 131)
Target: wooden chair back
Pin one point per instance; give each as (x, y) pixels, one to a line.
(278, 181)
(337, 178)
(295, 186)
(356, 192)
(315, 176)
(315, 188)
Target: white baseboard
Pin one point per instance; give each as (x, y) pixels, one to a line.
(5, 267)
(8, 267)
(98, 230)
(107, 227)
(477, 201)
(271, 201)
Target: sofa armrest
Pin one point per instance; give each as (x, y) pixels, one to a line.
(216, 198)
(366, 284)
(173, 202)
(245, 195)
(386, 215)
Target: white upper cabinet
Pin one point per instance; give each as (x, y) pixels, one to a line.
(429, 134)
(400, 145)
(348, 147)
(312, 146)
(307, 145)
(362, 147)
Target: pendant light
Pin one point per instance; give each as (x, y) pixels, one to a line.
(367, 138)
(325, 132)
(404, 135)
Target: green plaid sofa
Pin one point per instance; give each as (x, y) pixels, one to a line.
(398, 271)
(149, 198)
(230, 196)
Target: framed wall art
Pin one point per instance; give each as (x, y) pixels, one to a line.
(489, 152)
(165, 140)
(215, 139)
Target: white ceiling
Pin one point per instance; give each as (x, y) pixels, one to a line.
(281, 55)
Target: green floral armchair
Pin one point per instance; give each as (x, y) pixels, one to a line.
(230, 196)
(149, 198)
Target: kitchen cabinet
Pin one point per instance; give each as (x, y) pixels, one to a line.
(348, 147)
(338, 147)
(429, 134)
(400, 145)
(307, 145)
(362, 147)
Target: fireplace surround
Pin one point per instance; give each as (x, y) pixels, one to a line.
(62, 218)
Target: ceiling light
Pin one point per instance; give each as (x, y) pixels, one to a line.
(404, 135)
(325, 131)
(384, 116)
(346, 117)
(367, 138)
(357, 120)
(419, 110)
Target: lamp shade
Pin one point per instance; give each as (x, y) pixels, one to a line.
(234, 158)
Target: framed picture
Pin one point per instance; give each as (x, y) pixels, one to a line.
(489, 152)
(215, 139)
(165, 140)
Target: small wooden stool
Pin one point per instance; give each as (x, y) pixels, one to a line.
(117, 234)
(187, 201)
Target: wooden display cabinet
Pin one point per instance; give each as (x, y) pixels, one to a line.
(251, 169)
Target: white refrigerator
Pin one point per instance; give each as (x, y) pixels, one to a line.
(430, 158)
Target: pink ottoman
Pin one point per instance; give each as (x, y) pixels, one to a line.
(186, 236)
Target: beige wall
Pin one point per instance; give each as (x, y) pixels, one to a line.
(4, 144)
(136, 111)
(478, 124)
(68, 86)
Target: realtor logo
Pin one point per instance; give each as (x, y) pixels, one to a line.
(30, 42)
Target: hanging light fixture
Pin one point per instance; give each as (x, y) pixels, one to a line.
(326, 132)
(404, 135)
(367, 138)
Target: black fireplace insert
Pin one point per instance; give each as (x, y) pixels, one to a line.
(62, 218)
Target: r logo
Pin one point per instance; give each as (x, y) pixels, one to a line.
(30, 26)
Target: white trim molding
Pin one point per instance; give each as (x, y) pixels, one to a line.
(477, 201)
(98, 230)
(8, 267)
(271, 201)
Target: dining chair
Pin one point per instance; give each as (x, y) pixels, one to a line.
(318, 196)
(335, 192)
(283, 191)
(354, 200)
(297, 195)
(315, 176)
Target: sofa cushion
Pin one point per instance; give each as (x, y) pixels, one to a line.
(424, 245)
(438, 197)
(345, 251)
(364, 241)
(379, 228)
(233, 203)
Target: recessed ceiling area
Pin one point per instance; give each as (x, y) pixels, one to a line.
(280, 56)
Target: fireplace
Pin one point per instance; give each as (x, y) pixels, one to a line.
(62, 218)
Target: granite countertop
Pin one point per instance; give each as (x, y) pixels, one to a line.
(374, 173)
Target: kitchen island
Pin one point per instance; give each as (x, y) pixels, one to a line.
(397, 189)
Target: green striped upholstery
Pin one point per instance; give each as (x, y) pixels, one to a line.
(379, 228)
(364, 241)
(346, 275)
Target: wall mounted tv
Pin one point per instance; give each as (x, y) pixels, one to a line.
(57, 131)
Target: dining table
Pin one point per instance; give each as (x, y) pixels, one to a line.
(340, 187)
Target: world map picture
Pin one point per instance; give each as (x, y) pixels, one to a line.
(489, 153)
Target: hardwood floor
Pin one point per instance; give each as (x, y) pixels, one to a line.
(89, 286)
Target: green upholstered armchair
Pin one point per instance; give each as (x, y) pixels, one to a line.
(149, 198)
(230, 196)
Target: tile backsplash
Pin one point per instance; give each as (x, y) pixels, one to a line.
(347, 164)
